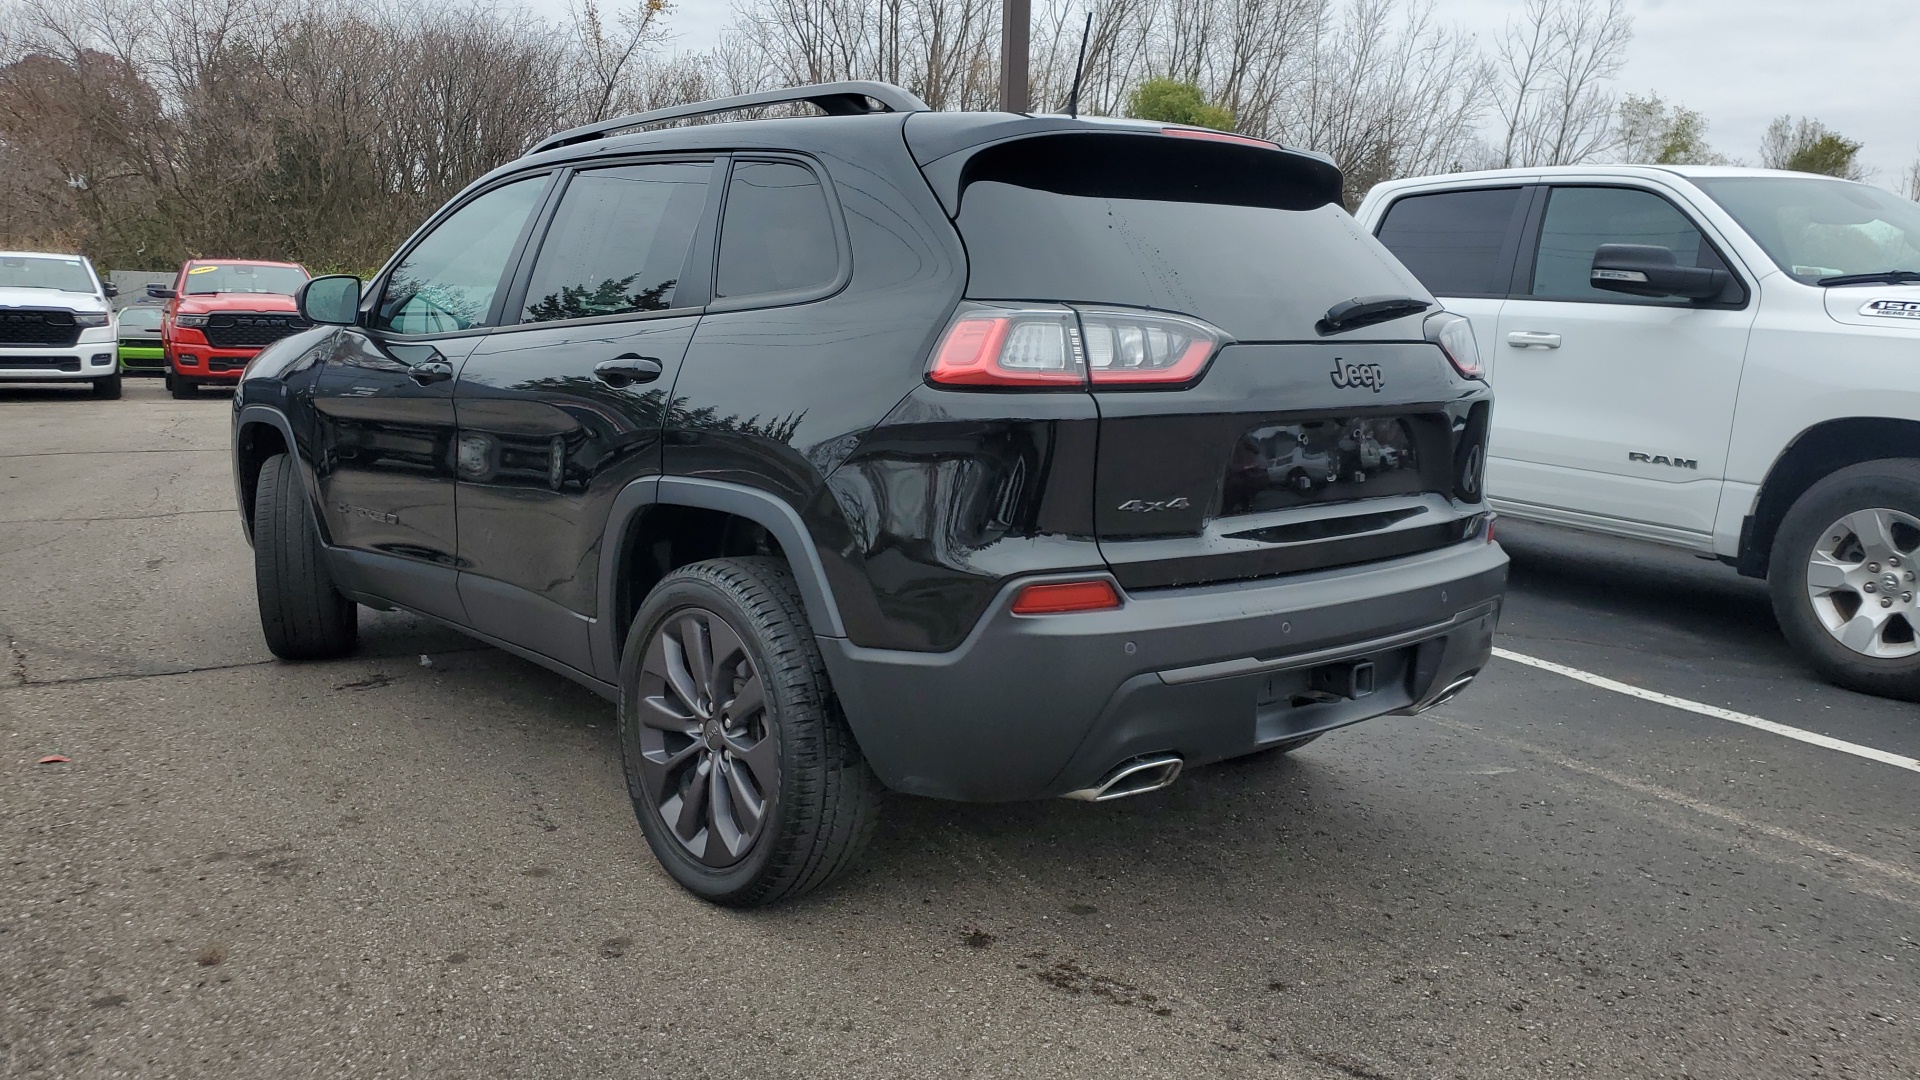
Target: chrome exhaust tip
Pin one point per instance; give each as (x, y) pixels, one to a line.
(1136, 777)
(1451, 691)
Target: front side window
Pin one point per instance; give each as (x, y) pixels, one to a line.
(448, 281)
(1580, 219)
(619, 242)
(1816, 228)
(41, 272)
(778, 235)
(1455, 242)
(205, 279)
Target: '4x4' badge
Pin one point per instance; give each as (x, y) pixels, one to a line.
(1353, 376)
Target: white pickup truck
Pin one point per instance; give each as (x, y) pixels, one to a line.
(1724, 360)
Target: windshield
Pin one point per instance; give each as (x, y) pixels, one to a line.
(1816, 228)
(140, 318)
(285, 280)
(45, 272)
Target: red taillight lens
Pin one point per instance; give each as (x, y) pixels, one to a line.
(1128, 348)
(1454, 335)
(1059, 598)
(1218, 136)
(1036, 347)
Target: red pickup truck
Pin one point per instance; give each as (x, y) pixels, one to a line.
(220, 313)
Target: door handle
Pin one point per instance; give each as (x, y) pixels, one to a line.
(1533, 339)
(627, 370)
(431, 371)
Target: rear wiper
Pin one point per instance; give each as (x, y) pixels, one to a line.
(1883, 277)
(1367, 310)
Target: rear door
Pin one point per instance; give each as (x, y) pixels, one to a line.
(1462, 245)
(384, 398)
(562, 406)
(1615, 407)
(1290, 447)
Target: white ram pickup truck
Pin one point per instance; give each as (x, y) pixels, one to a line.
(1724, 360)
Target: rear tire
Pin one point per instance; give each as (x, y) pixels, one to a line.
(1856, 535)
(107, 387)
(732, 636)
(302, 614)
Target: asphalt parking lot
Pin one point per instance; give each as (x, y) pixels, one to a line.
(421, 861)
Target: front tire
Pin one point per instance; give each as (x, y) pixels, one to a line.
(745, 778)
(302, 614)
(107, 388)
(1845, 577)
(181, 389)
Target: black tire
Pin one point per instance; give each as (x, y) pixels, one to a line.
(181, 389)
(1890, 485)
(824, 799)
(107, 388)
(303, 616)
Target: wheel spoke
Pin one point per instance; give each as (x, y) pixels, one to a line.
(1862, 632)
(721, 847)
(699, 659)
(1875, 530)
(662, 773)
(751, 699)
(746, 801)
(1826, 573)
(657, 711)
(694, 803)
(677, 675)
(760, 760)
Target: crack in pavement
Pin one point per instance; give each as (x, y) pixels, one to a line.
(115, 517)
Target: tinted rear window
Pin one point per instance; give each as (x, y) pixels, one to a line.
(1227, 250)
(1455, 242)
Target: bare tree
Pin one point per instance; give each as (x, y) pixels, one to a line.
(1555, 63)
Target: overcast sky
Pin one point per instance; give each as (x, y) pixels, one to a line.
(1739, 62)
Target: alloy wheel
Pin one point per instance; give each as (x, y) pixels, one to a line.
(1862, 579)
(708, 755)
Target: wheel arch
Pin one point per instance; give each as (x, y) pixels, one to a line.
(258, 433)
(704, 519)
(1814, 454)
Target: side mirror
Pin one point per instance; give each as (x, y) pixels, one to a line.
(109, 289)
(1652, 270)
(160, 292)
(333, 300)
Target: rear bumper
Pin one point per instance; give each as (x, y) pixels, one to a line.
(1034, 707)
(205, 363)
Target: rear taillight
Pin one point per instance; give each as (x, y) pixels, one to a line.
(1057, 348)
(1454, 335)
(1129, 348)
(1012, 347)
(1059, 598)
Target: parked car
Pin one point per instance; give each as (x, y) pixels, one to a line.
(889, 449)
(55, 322)
(1718, 359)
(220, 313)
(141, 351)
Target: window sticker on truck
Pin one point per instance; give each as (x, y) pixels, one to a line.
(1892, 309)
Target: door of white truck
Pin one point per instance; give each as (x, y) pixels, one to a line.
(1614, 410)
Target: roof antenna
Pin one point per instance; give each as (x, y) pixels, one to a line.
(1073, 99)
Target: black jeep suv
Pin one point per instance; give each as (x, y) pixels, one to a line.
(979, 456)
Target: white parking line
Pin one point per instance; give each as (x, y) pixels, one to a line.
(1813, 738)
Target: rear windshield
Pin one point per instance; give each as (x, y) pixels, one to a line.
(1200, 247)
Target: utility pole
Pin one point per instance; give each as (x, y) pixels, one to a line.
(1016, 24)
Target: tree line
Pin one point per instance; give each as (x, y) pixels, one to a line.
(146, 131)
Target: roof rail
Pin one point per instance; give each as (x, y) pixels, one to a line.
(835, 99)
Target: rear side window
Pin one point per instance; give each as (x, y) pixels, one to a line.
(777, 235)
(619, 242)
(1455, 242)
(1259, 249)
(1580, 219)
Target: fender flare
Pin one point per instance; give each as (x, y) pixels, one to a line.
(762, 508)
(253, 415)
